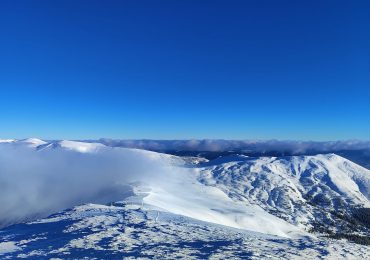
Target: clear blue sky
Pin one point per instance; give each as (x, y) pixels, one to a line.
(185, 69)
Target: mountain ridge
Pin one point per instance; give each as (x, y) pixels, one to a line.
(293, 197)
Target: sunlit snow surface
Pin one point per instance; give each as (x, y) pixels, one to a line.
(131, 230)
(171, 207)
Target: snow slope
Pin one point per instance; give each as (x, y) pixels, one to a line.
(173, 187)
(284, 197)
(299, 189)
(184, 195)
(131, 231)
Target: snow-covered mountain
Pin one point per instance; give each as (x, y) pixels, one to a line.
(234, 205)
(304, 190)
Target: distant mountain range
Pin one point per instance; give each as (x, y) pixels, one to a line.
(356, 151)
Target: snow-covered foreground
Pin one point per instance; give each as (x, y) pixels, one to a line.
(130, 230)
(232, 206)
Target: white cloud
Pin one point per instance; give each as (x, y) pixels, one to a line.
(34, 184)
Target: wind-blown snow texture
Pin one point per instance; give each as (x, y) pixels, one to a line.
(232, 206)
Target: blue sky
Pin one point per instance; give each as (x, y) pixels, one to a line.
(185, 69)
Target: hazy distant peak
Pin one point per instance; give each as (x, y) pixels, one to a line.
(33, 142)
(7, 140)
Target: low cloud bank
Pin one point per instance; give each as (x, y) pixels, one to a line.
(38, 183)
(291, 147)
